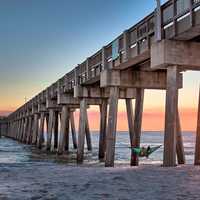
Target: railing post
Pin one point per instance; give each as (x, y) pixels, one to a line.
(174, 19)
(75, 77)
(87, 69)
(104, 60)
(126, 45)
(191, 14)
(158, 22)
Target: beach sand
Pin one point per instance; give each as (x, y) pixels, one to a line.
(59, 181)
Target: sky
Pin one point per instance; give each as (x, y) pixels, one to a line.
(43, 40)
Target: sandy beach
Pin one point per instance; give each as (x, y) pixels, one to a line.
(58, 181)
(28, 173)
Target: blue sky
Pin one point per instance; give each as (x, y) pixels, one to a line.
(51, 36)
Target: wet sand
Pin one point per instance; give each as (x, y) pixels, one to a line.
(59, 181)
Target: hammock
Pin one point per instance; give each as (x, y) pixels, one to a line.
(144, 152)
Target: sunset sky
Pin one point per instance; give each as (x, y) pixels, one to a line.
(42, 40)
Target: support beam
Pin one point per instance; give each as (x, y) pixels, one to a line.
(63, 129)
(171, 118)
(21, 131)
(67, 132)
(87, 133)
(197, 147)
(82, 128)
(24, 131)
(47, 120)
(18, 128)
(111, 127)
(132, 78)
(102, 134)
(137, 123)
(174, 52)
(29, 133)
(35, 128)
(179, 143)
(50, 129)
(73, 130)
(56, 130)
(0, 129)
(41, 131)
(130, 117)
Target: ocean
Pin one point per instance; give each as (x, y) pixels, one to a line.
(14, 152)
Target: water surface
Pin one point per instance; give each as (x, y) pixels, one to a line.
(14, 152)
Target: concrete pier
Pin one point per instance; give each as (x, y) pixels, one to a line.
(140, 62)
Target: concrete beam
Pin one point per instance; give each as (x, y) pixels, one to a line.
(42, 108)
(68, 99)
(52, 104)
(183, 54)
(136, 79)
(97, 92)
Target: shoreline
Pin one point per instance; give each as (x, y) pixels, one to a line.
(44, 180)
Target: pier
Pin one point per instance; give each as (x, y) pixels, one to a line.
(152, 54)
(3, 126)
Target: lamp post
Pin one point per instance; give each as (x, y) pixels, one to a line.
(158, 33)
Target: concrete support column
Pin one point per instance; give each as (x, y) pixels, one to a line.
(111, 127)
(55, 128)
(16, 129)
(73, 130)
(50, 129)
(13, 129)
(25, 130)
(197, 147)
(66, 138)
(130, 117)
(41, 131)
(137, 123)
(47, 120)
(64, 129)
(171, 118)
(179, 143)
(82, 128)
(35, 128)
(0, 129)
(22, 130)
(102, 134)
(19, 128)
(87, 133)
(29, 132)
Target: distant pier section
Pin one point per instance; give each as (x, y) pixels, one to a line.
(3, 126)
